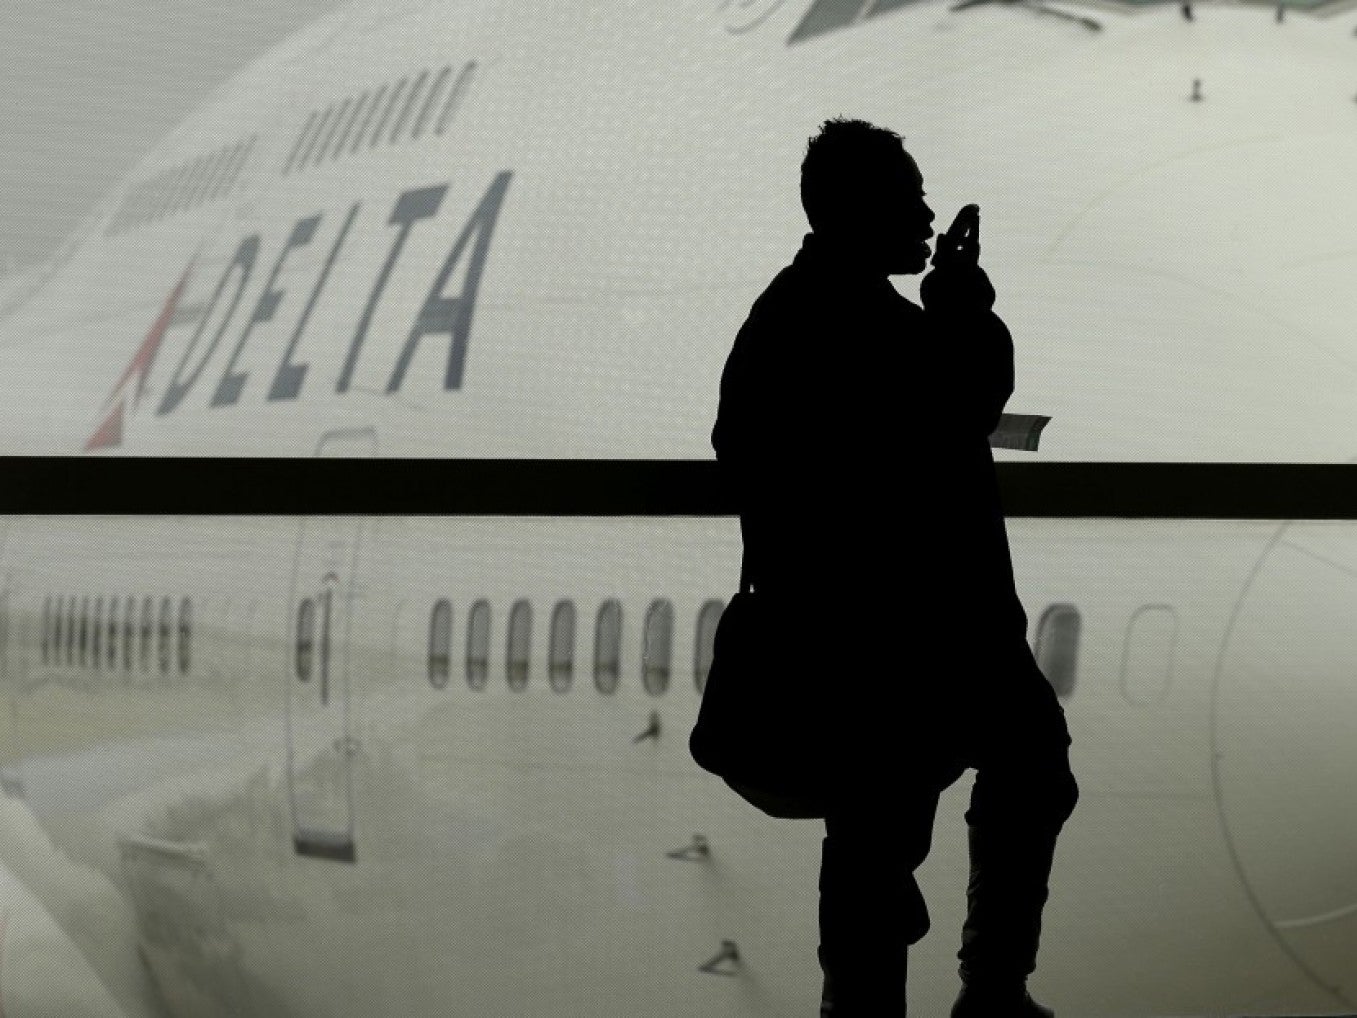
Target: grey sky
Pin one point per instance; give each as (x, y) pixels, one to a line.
(89, 86)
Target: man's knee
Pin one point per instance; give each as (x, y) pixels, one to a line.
(1041, 795)
(870, 893)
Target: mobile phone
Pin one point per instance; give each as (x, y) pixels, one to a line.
(962, 238)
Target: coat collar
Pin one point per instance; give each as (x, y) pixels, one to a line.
(821, 259)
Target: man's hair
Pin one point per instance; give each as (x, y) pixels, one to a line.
(846, 159)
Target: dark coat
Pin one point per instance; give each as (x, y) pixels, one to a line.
(853, 430)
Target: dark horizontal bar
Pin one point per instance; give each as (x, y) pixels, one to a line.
(263, 486)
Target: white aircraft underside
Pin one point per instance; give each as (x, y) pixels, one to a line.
(543, 246)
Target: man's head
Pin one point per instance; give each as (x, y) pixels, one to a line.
(863, 195)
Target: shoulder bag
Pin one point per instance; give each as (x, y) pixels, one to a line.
(760, 726)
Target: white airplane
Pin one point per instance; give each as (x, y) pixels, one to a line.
(439, 766)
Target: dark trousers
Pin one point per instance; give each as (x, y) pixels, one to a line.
(1011, 729)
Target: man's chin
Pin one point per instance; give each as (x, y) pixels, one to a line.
(908, 267)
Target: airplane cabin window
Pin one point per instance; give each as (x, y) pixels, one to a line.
(147, 622)
(435, 90)
(97, 633)
(455, 97)
(129, 630)
(705, 640)
(46, 628)
(656, 654)
(608, 646)
(163, 182)
(57, 630)
(212, 179)
(220, 163)
(163, 644)
(518, 651)
(1057, 649)
(192, 181)
(367, 119)
(185, 635)
(478, 645)
(141, 209)
(410, 101)
(390, 107)
(306, 638)
(343, 138)
(164, 192)
(182, 178)
(561, 658)
(211, 164)
(70, 630)
(112, 633)
(234, 162)
(310, 145)
(84, 631)
(440, 643)
(164, 187)
(338, 118)
(305, 132)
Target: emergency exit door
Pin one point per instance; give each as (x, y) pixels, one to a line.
(320, 748)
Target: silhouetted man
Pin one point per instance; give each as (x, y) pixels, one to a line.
(853, 428)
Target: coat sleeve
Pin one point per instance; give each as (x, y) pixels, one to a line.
(995, 372)
(976, 351)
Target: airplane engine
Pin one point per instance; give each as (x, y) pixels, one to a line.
(43, 974)
(1285, 764)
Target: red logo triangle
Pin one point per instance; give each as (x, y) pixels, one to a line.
(110, 432)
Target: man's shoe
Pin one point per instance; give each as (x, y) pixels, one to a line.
(974, 1002)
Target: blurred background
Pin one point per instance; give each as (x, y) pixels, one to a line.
(89, 86)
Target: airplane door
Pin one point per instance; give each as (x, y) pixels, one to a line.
(319, 746)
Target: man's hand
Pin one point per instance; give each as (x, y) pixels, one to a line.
(957, 288)
(957, 284)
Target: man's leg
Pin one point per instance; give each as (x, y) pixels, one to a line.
(871, 908)
(1024, 792)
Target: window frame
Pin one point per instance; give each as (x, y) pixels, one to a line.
(518, 645)
(440, 643)
(478, 624)
(608, 671)
(561, 646)
(704, 639)
(1056, 647)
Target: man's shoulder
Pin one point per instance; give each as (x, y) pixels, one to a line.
(800, 298)
(782, 290)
